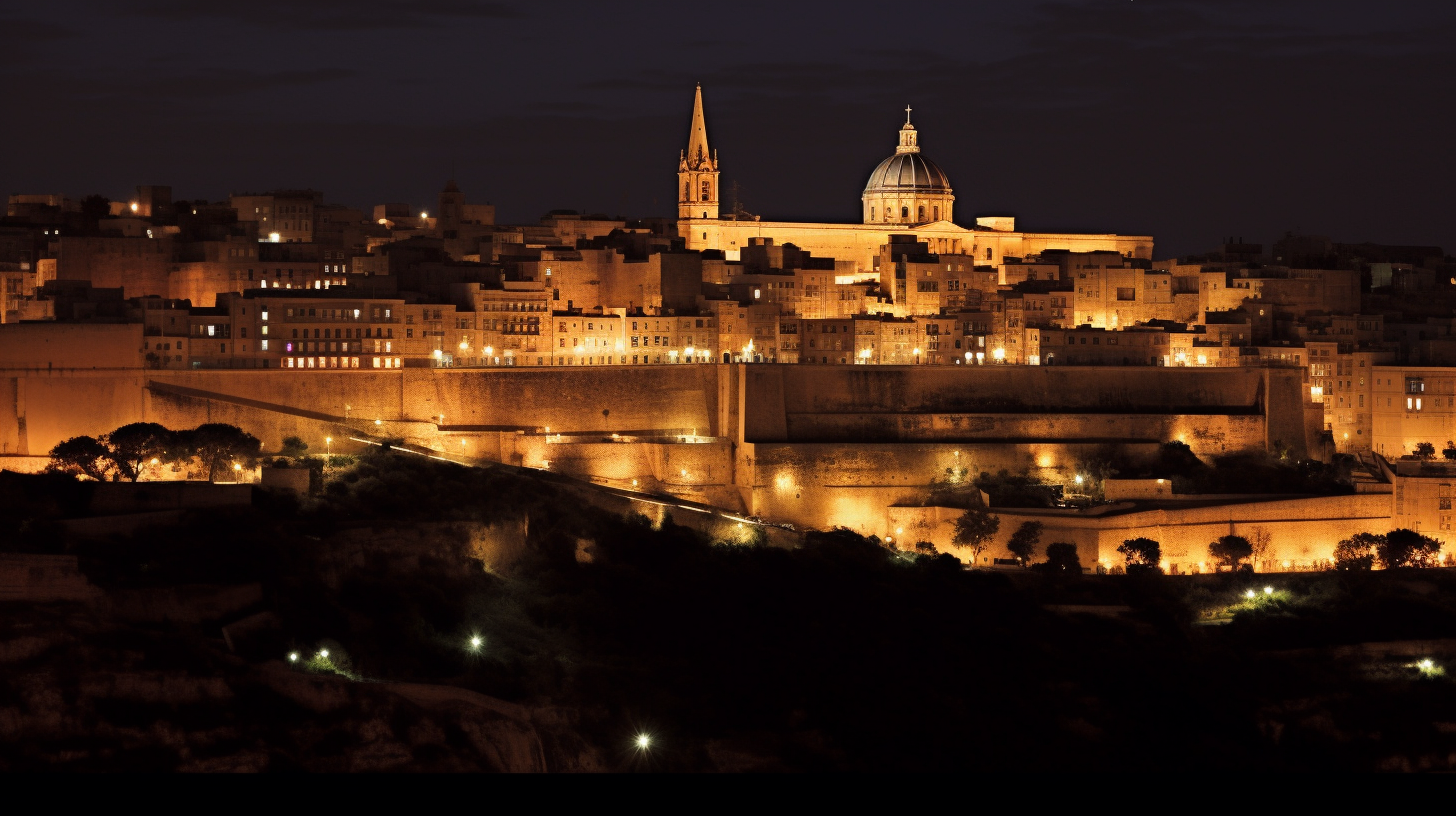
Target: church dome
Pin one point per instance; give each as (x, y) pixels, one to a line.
(907, 172)
(908, 188)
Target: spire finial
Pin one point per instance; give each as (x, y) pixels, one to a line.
(907, 114)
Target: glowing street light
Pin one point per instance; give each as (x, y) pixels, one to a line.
(475, 642)
(1249, 594)
(1078, 478)
(643, 742)
(1268, 590)
(293, 657)
(323, 653)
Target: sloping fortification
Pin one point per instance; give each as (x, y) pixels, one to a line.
(825, 446)
(800, 443)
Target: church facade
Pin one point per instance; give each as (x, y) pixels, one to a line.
(906, 194)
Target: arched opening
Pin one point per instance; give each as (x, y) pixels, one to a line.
(727, 356)
(707, 190)
(937, 213)
(687, 191)
(920, 216)
(904, 212)
(872, 213)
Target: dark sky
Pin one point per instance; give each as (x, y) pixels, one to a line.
(1187, 120)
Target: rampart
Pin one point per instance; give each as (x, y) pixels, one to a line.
(1300, 532)
(816, 446)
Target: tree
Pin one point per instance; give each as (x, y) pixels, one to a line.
(82, 456)
(1142, 554)
(1062, 558)
(926, 548)
(1425, 450)
(221, 446)
(1449, 452)
(1408, 548)
(975, 529)
(294, 447)
(1023, 542)
(133, 446)
(1357, 552)
(1230, 551)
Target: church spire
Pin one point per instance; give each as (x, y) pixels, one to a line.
(697, 169)
(699, 157)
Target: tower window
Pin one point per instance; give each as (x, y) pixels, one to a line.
(904, 212)
(921, 214)
(872, 213)
(707, 190)
(688, 192)
(937, 213)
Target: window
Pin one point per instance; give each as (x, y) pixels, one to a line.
(904, 212)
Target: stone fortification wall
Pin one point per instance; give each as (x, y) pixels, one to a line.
(50, 346)
(893, 430)
(1214, 410)
(839, 485)
(1299, 531)
(568, 400)
(39, 409)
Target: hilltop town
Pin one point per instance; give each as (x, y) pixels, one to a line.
(884, 376)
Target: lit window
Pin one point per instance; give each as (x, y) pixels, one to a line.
(264, 344)
(376, 362)
(210, 330)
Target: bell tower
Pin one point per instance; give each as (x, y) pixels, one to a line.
(697, 170)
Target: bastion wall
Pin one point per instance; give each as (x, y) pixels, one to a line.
(1299, 531)
(848, 440)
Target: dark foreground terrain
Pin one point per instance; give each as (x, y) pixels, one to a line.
(595, 628)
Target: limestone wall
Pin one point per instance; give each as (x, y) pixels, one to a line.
(1299, 531)
(837, 485)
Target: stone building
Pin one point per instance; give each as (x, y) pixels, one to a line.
(915, 191)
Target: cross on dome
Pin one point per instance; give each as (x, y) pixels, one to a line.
(907, 114)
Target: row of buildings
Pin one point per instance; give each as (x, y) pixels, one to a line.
(284, 280)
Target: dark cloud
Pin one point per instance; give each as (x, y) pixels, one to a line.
(328, 15)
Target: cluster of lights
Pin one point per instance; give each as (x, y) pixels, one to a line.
(1268, 590)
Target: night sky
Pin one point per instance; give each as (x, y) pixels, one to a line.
(1191, 121)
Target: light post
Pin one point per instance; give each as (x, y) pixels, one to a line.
(328, 452)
